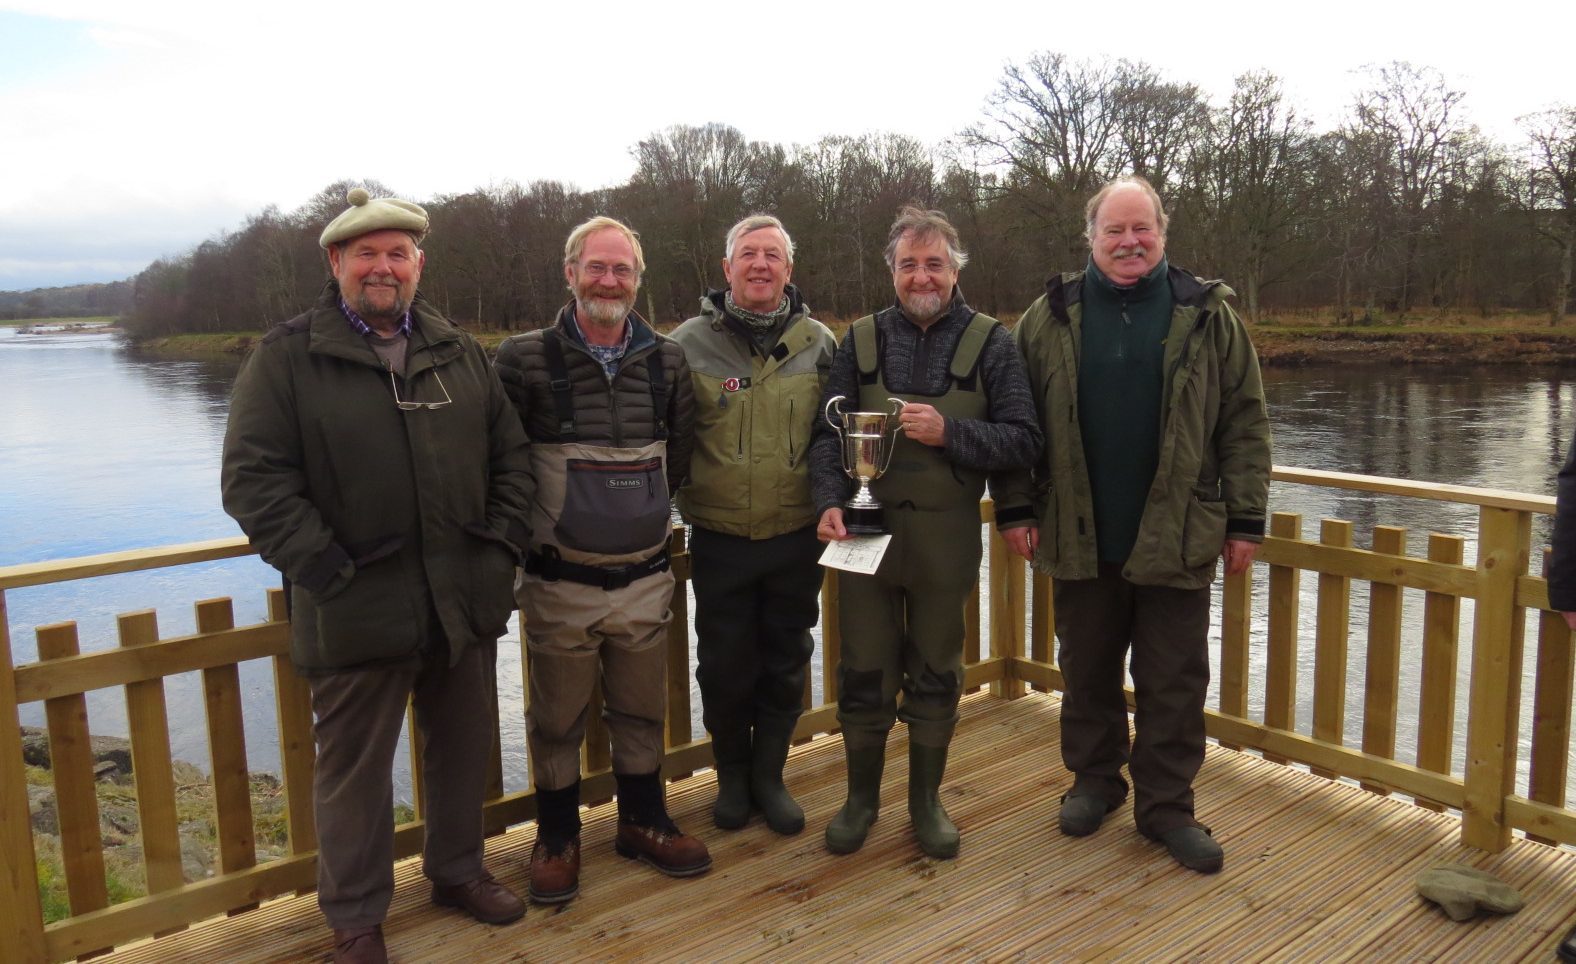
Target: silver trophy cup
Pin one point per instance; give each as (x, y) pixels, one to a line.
(868, 441)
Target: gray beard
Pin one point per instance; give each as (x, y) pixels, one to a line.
(923, 307)
(604, 313)
(365, 309)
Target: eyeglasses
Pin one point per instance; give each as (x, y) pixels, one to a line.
(597, 269)
(412, 406)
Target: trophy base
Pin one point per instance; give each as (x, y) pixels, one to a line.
(864, 520)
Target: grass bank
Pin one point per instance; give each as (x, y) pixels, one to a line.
(1282, 339)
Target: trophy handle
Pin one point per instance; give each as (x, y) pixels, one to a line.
(831, 406)
(897, 410)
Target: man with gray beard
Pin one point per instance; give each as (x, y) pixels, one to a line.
(373, 459)
(969, 414)
(609, 409)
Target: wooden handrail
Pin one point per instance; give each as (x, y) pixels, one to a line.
(1010, 652)
(1435, 491)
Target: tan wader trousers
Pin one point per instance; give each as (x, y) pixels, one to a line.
(358, 715)
(573, 632)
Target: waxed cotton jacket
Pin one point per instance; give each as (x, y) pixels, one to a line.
(391, 525)
(749, 475)
(1214, 467)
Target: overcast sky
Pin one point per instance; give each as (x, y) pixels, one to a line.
(130, 130)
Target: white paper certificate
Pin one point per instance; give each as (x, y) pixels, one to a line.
(860, 554)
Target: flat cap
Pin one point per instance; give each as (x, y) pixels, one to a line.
(367, 213)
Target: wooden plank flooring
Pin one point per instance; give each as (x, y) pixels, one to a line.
(1314, 870)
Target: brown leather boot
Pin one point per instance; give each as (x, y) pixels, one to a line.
(555, 871)
(483, 898)
(667, 848)
(360, 945)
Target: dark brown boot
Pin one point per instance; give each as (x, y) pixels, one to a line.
(483, 898)
(667, 849)
(360, 945)
(555, 872)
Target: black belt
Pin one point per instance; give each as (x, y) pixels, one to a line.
(547, 563)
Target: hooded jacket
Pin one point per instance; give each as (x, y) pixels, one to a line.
(1212, 480)
(391, 525)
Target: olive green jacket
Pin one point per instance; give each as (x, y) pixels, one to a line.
(749, 475)
(1214, 470)
(390, 525)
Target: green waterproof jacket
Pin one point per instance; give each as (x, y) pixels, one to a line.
(391, 525)
(749, 475)
(1214, 469)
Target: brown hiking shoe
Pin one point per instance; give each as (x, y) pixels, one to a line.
(483, 898)
(555, 873)
(668, 849)
(360, 945)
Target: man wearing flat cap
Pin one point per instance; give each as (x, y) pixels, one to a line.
(373, 459)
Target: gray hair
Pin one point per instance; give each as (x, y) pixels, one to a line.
(1132, 180)
(756, 222)
(576, 245)
(923, 225)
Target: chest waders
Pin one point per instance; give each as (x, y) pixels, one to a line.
(902, 628)
(596, 591)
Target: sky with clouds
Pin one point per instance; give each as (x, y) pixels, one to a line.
(134, 130)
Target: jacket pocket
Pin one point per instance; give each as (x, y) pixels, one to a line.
(1203, 532)
(492, 564)
(614, 507)
(369, 620)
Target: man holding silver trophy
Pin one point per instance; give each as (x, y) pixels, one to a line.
(958, 407)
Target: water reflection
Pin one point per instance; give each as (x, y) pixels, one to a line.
(104, 450)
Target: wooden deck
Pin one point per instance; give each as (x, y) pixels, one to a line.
(1314, 870)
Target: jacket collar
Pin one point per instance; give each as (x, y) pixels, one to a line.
(434, 339)
(641, 334)
(712, 308)
(1065, 290)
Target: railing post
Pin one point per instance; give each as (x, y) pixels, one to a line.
(1236, 613)
(1280, 674)
(21, 912)
(831, 634)
(1332, 630)
(1493, 708)
(1551, 710)
(1007, 614)
(678, 650)
(1382, 691)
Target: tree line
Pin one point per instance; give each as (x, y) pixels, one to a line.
(1402, 209)
(70, 301)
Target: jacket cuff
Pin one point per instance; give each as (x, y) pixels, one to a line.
(1251, 530)
(1014, 516)
(330, 565)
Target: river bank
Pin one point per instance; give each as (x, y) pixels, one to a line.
(1278, 345)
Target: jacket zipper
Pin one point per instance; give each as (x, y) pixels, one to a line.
(791, 454)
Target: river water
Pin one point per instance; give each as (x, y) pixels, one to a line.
(103, 450)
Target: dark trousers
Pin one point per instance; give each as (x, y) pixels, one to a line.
(1167, 630)
(903, 629)
(756, 601)
(358, 718)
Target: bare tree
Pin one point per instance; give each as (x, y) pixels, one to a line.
(1252, 190)
(1551, 191)
(1412, 113)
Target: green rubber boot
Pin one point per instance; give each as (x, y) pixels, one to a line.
(938, 836)
(846, 833)
(731, 750)
(769, 754)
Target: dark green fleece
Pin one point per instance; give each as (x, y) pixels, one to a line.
(1120, 380)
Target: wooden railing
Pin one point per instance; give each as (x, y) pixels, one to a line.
(1018, 654)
